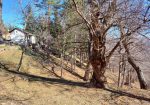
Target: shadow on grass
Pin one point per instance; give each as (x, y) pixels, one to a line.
(122, 93)
(70, 83)
(42, 79)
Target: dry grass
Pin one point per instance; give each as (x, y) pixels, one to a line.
(15, 90)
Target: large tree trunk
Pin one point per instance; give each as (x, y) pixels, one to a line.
(99, 68)
(98, 27)
(98, 61)
(97, 57)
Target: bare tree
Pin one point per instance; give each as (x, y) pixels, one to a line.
(103, 16)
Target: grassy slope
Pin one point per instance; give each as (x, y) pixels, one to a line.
(17, 91)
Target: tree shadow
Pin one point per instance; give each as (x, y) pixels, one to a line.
(131, 95)
(31, 77)
(51, 71)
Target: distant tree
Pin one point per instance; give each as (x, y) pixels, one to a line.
(3, 30)
(0, 11)
(30, 22)
(57, 22)
(52, 15)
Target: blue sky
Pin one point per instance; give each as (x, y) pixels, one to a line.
(11, 12)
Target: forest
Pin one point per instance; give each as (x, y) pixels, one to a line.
(68, 52)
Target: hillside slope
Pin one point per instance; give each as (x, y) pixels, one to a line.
(36, 85)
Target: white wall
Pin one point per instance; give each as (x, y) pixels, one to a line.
(33, 40)
(17, 37)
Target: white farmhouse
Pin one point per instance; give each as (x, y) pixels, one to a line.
(17, 36)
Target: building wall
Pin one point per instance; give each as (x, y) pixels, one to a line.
(17, 37)
(33, 40)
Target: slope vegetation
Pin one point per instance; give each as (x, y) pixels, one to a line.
(38, 84)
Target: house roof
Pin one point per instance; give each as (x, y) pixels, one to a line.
(25, 32)
(17, 29)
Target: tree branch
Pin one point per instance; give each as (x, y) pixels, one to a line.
(113, 50)
(83, 17)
